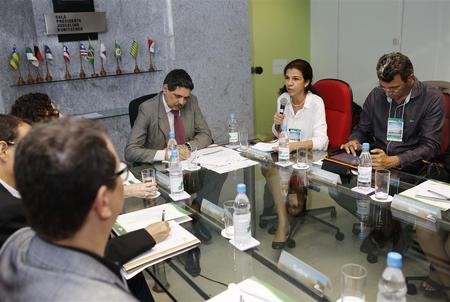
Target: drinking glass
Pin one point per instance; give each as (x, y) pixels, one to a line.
(228, 207)
(243, 140)
(382, 180)
(192, 160)
(302, 158)
(353, 283)
(148, 175)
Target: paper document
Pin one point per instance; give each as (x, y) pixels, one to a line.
(432, 192)
(178, 241)
(140, 219)
(222, 160)
(265, 147)
(252, 290)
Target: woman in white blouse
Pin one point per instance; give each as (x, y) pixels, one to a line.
(304, 115)
(304, 112)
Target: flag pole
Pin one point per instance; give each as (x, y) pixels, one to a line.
(151, 67)
(118, 70)
(82, 73)
(21, 81)
(67, 76)
(102, 70)
(30, 78)
(48, 78)
(38, 76)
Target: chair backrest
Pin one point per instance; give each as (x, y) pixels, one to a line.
(133, 107)
(337, 97)
(445, 130)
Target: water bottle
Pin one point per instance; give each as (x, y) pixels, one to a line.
(283, 145)
(392, 286)
(175, 173)
(233, 131)
(365, 167)
(241, 217)
(171, 144)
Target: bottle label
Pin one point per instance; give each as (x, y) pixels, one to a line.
(176, 184)
(283, 154)
(234, 137)
(365, 175)
(241, 224)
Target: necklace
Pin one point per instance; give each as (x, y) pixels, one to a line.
(299, 105)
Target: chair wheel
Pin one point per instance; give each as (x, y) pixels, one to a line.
(263, 224)
(412, 289)
(371, 258)
(272, 230)
(333, 213)
(339, 236)
(291, 243)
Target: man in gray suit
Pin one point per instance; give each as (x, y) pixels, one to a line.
(69, 177)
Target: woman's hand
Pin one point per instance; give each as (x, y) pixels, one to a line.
(141, 190)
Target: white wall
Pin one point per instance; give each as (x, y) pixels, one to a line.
(348, 37)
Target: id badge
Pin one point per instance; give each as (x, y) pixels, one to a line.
(295, 134)
(395, 129)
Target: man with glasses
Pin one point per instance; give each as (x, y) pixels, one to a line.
(402, 118)
(84, 191)
(12, 215)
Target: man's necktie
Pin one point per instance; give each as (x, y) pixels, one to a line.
(179, 128)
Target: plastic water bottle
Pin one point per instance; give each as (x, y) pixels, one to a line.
(241, 217)
(392, 286)
(365, 167)
(175, 173)
(171, 144)
(233, 131)
(283, 145)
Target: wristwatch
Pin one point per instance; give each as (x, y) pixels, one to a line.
(188, 145)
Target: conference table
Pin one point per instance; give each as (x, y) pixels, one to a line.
(362, 231)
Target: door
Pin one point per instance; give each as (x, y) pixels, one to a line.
(280, 33)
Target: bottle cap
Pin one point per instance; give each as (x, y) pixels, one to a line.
(171, 134)
(241, 188)
(366, 146)
(232, 115)
(394, 259)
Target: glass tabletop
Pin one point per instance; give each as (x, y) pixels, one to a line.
(329, 225)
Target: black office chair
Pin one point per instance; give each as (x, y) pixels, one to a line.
(133, 107)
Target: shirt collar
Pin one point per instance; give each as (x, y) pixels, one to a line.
(10, 189)
(308, 100)
(166, 107)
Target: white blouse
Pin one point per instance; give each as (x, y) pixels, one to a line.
(310, 120)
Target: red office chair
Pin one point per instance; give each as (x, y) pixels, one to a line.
(337, 97)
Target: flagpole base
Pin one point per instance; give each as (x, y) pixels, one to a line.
(152, 68)
(136, 69)
(94, 75)
(48, 78)
(21, 82)
(118, 70)
(38, 78)
(103, 72)
(30, 79)
(67, 76)
(82, 74)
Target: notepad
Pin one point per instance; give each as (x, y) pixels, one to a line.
(432, 192)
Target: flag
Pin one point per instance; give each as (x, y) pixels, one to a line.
(151, 45)
(134, 49)
(91, 54)
(31, 57)
(102, 51)
(14, 59)
(66, 54)
(117, 51)
(38, 53)
(83, 51)
(48, 53)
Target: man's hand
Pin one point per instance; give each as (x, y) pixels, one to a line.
(278, 119)
(184, 152)
(381, 160)
(158, 230)
(141, 190)
(352, 146)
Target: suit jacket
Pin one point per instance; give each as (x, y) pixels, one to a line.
(150, 132)
(34, 270)
(12, 214)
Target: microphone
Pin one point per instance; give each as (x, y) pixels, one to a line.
(283, 103)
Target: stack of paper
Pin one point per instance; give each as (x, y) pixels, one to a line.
(178, 241)
(222, 160)
(265, 147)
(431, 192)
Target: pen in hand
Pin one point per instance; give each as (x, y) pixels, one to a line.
(163, 215)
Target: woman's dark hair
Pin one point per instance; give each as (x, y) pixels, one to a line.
(34, 107)
(305, 68)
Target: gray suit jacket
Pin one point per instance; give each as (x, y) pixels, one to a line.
(150, 132)
(34, 270)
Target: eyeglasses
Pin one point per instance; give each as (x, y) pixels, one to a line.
(390, 90)
(10, 143)
(123, 171)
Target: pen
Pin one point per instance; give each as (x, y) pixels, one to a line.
(163, 215)
(442, 196)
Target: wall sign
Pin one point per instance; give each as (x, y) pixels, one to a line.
(75, 23)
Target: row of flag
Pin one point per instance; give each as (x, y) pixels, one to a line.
(34, 56)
